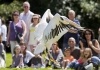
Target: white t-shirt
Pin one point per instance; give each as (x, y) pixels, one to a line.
(4, 32)
(28, 56)
(27, 19)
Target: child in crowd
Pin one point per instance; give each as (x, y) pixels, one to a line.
(68, 58)
(83, 61)
(36, 61)
(17, 59)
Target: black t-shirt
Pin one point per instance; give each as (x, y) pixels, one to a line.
(76, 53)
(35, 61)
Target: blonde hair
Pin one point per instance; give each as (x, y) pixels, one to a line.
(16, 46)
(90, 52)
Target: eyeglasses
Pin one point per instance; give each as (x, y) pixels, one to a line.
(15, 15)
(87, 33)
(35, 18)
(25, 6)
(54, 44)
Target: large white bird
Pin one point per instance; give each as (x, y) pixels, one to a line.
(56, 28)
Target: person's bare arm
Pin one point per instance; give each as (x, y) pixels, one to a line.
(95, 47)
(24, 29)
(81, 45)
(21, 62)
(8, 35)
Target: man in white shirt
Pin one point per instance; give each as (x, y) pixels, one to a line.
(26, 15)
(4, 33)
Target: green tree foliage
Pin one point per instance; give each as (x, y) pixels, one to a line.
(6, 8)
(87, 11)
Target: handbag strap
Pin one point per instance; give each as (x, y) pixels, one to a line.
(14, 28)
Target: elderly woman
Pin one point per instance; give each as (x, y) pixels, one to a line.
(90, 42)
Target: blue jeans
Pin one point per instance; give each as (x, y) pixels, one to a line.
(95, 60)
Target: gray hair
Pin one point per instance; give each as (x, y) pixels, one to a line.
(72, 11)
(26, 3)
(73, 39)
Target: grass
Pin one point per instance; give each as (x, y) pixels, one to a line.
(9, 62)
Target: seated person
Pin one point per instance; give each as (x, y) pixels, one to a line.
(75, 51)
(83, 61)
(27, 55)
(89, 41)
(36, 61)
(68, 58)
(56, 55)
(17, 59)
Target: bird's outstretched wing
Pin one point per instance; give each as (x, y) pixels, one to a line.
(56, 28)
(46, 15)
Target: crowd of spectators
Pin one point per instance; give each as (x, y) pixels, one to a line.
(77, 51)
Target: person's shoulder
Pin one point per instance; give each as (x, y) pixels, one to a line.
(31, 25)
(77, 21)
(30, 12)
(2, 26)
(71, 57)
(21, 13)
(59, 51)
(22, 21)
(29, 53)
(1, 44)
(77, 48)
(94, 40)
(21, 55)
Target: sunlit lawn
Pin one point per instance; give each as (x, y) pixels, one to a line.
(9, 61)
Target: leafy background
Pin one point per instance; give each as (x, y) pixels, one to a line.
(87, 11)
